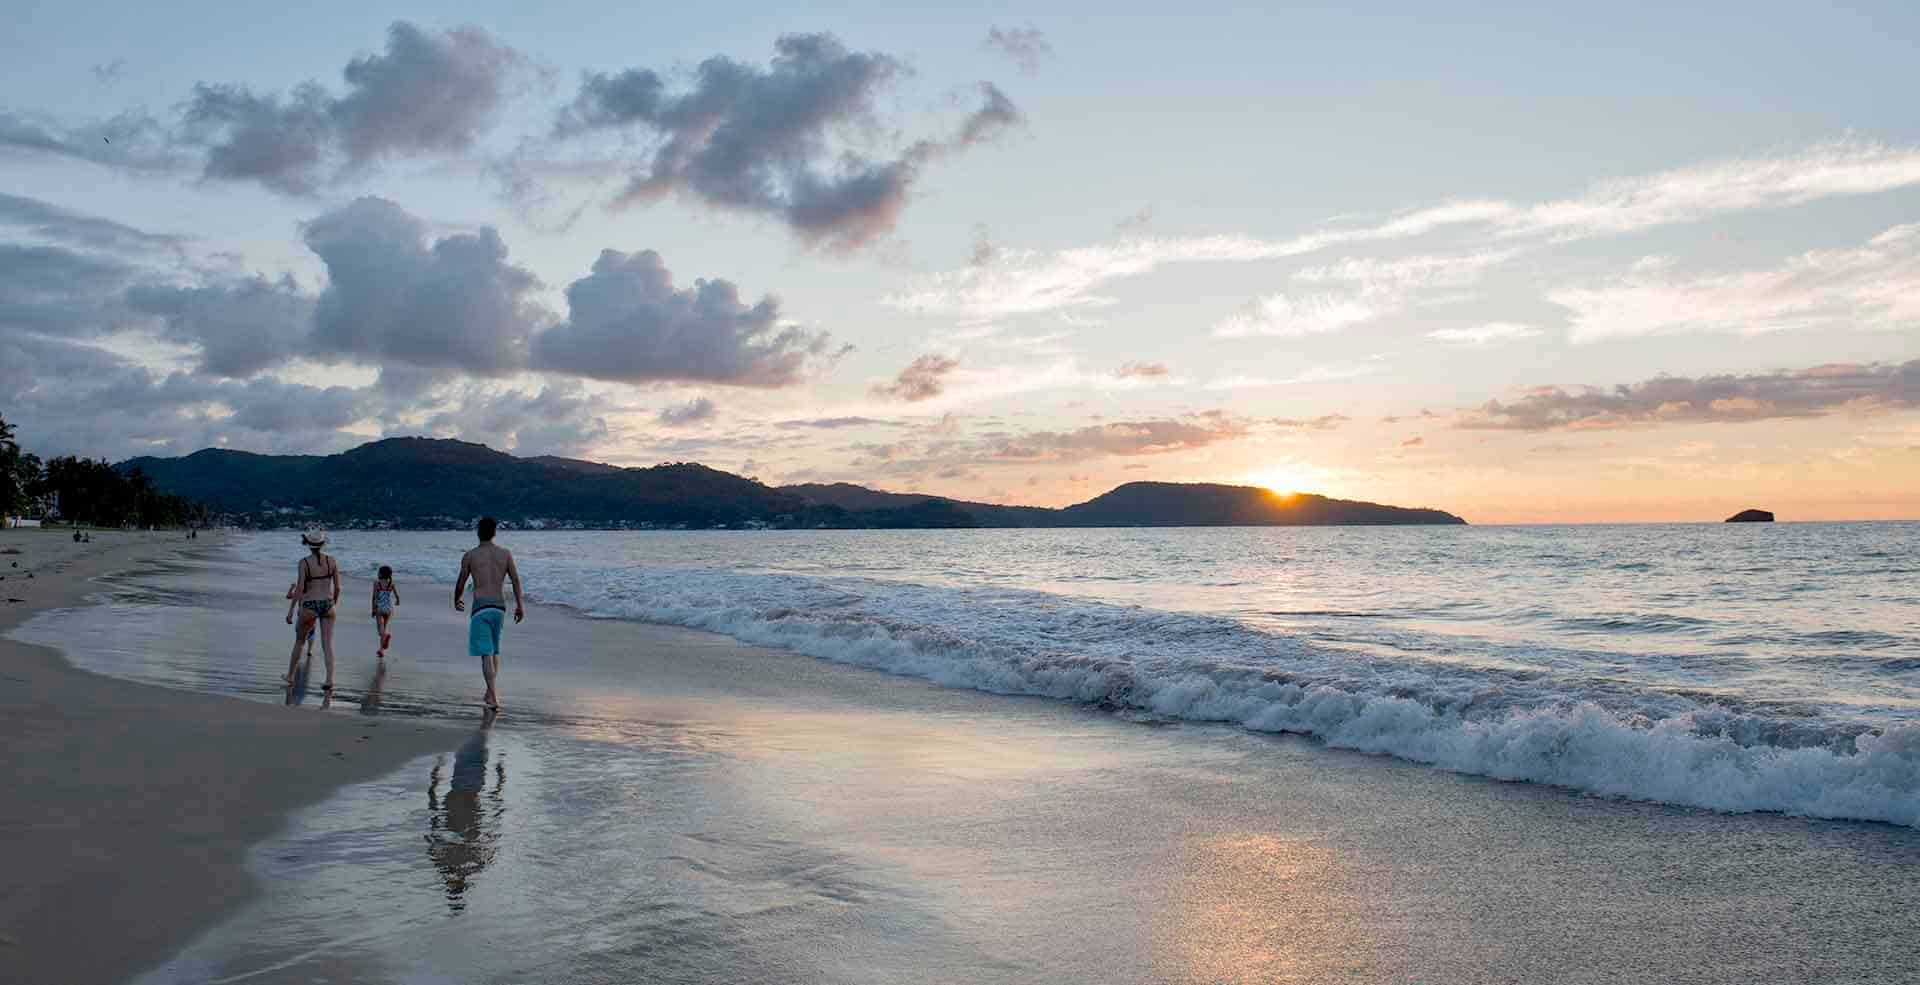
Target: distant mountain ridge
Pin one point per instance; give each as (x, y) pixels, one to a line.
(438, 482)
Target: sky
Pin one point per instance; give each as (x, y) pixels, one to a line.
(1527, 263)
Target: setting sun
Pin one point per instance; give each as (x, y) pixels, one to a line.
(1288, 479)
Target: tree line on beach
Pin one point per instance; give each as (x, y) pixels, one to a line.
(84, 490)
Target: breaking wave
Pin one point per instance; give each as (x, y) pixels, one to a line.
(1595, 736)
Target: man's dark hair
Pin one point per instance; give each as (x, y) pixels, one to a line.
(487, 526)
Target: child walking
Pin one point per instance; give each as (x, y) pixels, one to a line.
(293, 604)
(386, 595)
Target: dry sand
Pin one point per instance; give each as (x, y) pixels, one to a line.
(127, 808)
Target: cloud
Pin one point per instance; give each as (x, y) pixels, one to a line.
(131, 410)
(1813, 392)
(61, 225)
(394, 294)
(240, 328)
(1400, 276)
(1413, 442)
(692, 412)
(270, 405)
(760, 140)
(106, 72)
(562, 418)
(1119, 439)
(280, 143)
(131, 141)
(1020, 282)
(1689, 194)
(1280, 315)
(1325, 422)
(1875, 286)
(627, 323)
(418, 307)
(923, 379)
(1489, 334)
(54, 290)
(1140, 370)
(1027, 281)
(1375, 288)
(428, 93)
(1025, 45)
(1116, 439)
(833, 423)
(1313, 374)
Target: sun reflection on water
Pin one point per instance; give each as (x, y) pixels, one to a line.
(1259, 908)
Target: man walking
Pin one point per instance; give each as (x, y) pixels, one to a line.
(488, 565)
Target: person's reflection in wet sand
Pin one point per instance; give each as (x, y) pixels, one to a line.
(456, 839)
(297, 691)
(370, 702)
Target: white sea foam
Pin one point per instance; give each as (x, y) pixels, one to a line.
(1569, 729)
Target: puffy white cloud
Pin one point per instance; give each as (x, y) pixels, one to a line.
(628, 323)
(428, 93)
(760, 140)
(395, 294)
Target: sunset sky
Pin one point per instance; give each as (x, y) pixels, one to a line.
(1547, 262)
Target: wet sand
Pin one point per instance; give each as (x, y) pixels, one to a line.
(128, 809)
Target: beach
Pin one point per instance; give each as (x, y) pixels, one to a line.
(129, 807)
(666, 804)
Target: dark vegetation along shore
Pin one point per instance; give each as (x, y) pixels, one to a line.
(434, 483)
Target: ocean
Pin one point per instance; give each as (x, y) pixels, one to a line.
(1640, 753)
(1732, 667)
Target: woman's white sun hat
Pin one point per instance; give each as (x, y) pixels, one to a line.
(314, 537)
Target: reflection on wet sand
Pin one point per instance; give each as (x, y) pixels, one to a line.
(457, 839)
(376, 689)
(1256, 908)
(297, 691)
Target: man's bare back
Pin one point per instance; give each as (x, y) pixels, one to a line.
(490, 566)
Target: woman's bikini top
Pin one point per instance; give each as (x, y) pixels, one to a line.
(313, 578)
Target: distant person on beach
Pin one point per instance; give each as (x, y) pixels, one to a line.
(488, 565)
(319, 579)
(386, 595)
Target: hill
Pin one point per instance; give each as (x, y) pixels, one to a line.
(1174, 504)
(848, 496)
(434, 483)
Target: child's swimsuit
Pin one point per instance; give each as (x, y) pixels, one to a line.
(383, 601)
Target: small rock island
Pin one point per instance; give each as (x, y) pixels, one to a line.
(1751, 516)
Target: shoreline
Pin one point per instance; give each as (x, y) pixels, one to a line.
(131, 807)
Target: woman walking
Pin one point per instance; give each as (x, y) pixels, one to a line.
(318, 578)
